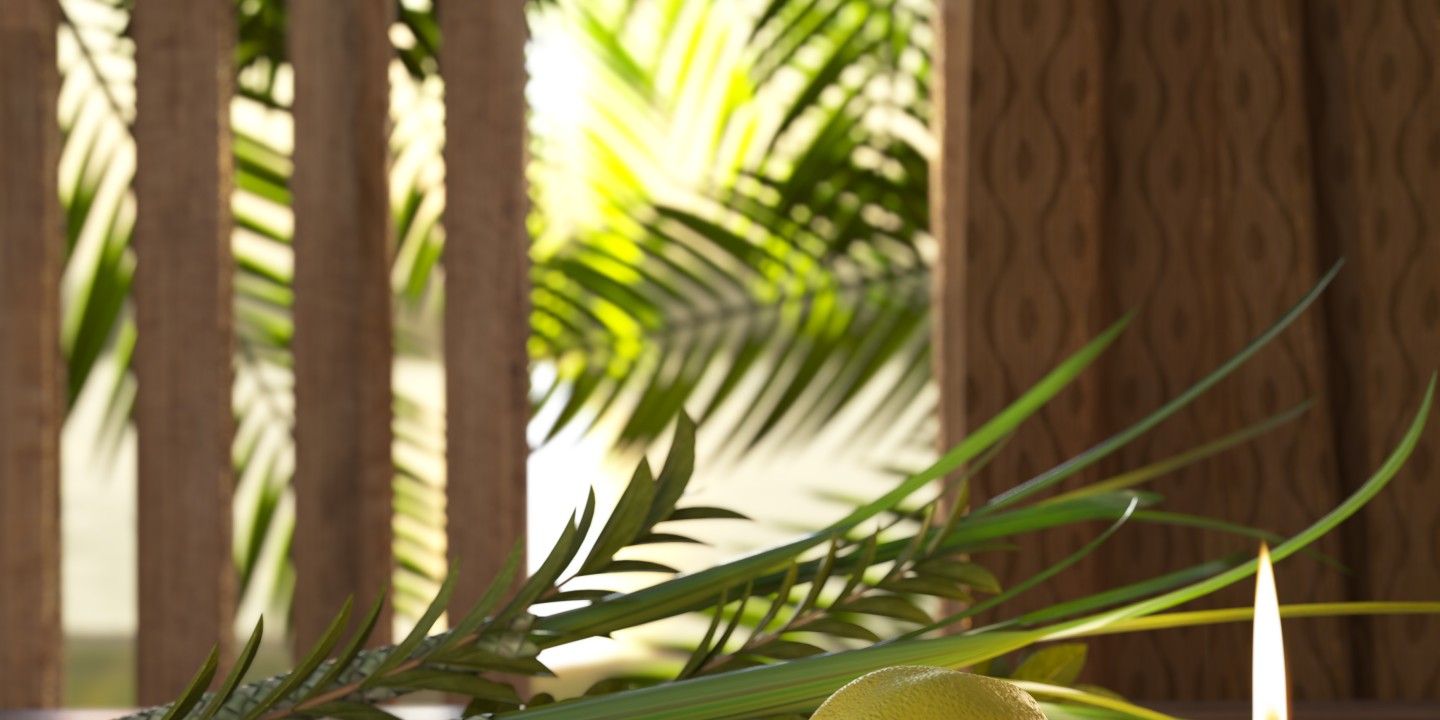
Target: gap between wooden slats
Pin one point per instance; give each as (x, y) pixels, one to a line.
(344, 470)
(31, 399)
(183, 357)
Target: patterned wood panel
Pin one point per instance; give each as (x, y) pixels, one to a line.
(1032, 248)
(183, 357)
(1391, 55)
(343, 467)
(1207, 160)
(32, 405)
(1223, 176)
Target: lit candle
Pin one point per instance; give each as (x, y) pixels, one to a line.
(1270, 688)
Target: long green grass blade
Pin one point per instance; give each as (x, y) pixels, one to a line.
(1171, 464)
(1030, 582)
(1121, 595)
(1325, 524)
(768, 690)
(683, 593)
(1122, 438)
(1167, 621)
(1057, 692)
(1198, 521)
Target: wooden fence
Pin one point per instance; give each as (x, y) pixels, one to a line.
(341, 53)
(1206, 159)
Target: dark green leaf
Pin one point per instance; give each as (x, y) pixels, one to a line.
(573, 595)
(627, 521)
(196, 689)
(465, 684)
(887, 606)
(965, 573)
(352, 648)
(937, 587)
(481, 660)
(402, 651)
(675, 474)
(703, 649)
(242, 665)
(555, 563)
(489, 600)
(839, 628)
(705, 513)
(1054, 665)
(663, 538)
(619, 566)
(318, 652)
(786, 650)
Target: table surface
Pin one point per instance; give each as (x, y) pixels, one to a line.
(1191, 711)
(1309, 711)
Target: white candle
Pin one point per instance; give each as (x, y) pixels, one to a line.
(1270, 688)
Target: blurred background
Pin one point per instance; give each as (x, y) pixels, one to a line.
(661, 133)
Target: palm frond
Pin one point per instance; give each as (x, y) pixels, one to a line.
(771, 672)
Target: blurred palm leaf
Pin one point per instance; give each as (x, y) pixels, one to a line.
(731, 220)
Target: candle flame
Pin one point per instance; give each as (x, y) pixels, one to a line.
(1270, 688)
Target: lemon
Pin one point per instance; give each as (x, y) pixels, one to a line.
(928, 693)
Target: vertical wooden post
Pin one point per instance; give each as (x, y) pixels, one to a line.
(951, 127)
(183, 357)
(31, 397)
(486, 284)
(341, 51)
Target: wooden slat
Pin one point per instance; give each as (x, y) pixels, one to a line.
(1389, 51)
(183, 358)
(1032, 249)
(954, 33)
(31, 396)
(486, 284)
(1213, 236)
(344, 469)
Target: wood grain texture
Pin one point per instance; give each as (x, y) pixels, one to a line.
(1032, 247)
(1220, 182)
(1389, 51)
(948, 194)
(32, 405)
(183, 356)
(486, 285)
(1205, 161)
(343, 347)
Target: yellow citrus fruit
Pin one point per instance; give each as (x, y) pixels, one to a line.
(928, 693)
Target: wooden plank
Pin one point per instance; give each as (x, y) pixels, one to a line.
(32, 406)
(183, 357)
(1211, 221)
(341, 52)
(1032, 253)
(486, 285)
(1125, 155)
(954, 33)
(1389, 151)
